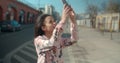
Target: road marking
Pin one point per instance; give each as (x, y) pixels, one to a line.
(7, 58)
(29, 54)
(31, 44)
(30, 48)
(20, 59)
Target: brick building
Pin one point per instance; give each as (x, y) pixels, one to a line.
(14, 10)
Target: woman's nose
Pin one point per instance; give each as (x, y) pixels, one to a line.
(54, 23)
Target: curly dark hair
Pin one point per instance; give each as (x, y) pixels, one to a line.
(39, 23)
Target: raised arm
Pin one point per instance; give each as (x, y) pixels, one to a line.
(73, 29)
(45, 45)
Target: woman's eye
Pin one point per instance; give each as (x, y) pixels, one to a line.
(51, 21)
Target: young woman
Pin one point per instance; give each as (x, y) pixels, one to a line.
(48, 41)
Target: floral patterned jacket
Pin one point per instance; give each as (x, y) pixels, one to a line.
(50, 50)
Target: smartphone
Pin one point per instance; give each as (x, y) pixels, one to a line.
(64, 2)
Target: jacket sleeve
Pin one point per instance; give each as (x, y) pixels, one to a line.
(73, 38)
(74, 32)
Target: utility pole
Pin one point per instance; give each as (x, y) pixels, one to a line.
(111, 30)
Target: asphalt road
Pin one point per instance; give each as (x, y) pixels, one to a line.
(11, 40)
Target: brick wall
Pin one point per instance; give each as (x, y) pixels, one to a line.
(17, 11)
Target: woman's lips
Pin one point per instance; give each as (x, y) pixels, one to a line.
(54, 26)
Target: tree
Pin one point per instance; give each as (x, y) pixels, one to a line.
(92, 10)
(113, 6)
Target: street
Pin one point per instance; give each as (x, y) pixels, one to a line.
(12, 40)
(98, 30)
(92, 47)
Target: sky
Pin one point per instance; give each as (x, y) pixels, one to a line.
(79, 6)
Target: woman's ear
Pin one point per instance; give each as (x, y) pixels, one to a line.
(43, 28)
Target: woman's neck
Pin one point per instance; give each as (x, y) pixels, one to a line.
(48, 35)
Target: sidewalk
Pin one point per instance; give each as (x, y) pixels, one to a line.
(93, 47)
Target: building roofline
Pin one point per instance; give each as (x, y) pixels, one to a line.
(27, 5)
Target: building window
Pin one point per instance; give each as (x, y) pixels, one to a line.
(21, 16)
(114, 18)
(104, 19)
(7, 16)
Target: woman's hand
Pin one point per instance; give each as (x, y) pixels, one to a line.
(65, 13)
(72, 16)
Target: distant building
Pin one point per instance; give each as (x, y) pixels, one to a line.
(42, 10)
(84, 20)
(49, 9)
(14, 10)
(108, 21)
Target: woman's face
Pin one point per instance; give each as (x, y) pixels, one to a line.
(49, 24)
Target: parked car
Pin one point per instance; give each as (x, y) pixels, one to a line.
(12, 25)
